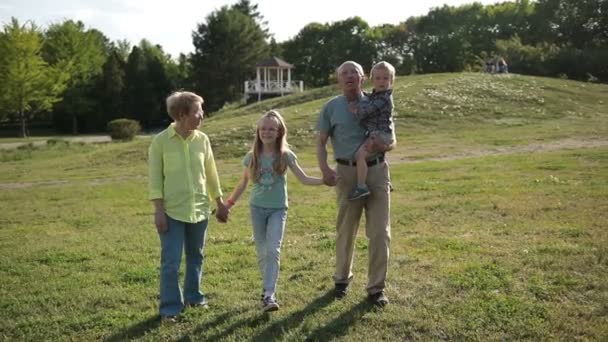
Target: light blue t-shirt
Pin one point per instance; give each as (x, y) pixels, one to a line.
(270, 190)
(345, 131)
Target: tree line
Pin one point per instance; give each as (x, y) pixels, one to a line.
(78, 80)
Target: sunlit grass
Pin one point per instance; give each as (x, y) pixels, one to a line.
(498, 229)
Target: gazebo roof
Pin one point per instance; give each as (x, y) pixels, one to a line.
(274, 62)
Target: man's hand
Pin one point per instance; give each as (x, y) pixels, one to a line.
(330, 177)
(160, 220)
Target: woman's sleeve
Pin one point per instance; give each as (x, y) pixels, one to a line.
(214, 189)
(155, 170)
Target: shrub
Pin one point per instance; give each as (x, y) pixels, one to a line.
(123, 129)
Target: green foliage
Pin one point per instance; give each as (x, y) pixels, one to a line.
(318, 49)
(28, 85)
(81, 54)
(123, 129)
(147, 84)
(497, 227)
(227, 46)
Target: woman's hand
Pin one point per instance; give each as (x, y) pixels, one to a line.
(160, 220)
(222, 212)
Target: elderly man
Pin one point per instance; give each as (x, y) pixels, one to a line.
(346, 134)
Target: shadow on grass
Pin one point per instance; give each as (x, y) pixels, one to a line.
(245, 322)
(339, 325)
(136, 330)
(276, 330)
(216, 322)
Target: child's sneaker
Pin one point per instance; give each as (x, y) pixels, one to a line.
(269, 303)
(358, 192)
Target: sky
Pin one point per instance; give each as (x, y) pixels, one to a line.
(170, 23)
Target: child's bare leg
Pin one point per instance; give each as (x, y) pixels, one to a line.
(361, 157)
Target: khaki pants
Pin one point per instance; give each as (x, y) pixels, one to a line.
(377, 229)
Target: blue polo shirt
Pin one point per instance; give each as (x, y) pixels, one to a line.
(345, 131)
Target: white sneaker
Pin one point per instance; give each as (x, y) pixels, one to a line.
(269, 303)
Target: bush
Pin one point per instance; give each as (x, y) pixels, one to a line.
(123, 129)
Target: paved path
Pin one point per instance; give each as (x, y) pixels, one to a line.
(82, 138)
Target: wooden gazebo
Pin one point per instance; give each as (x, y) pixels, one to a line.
(273, 78)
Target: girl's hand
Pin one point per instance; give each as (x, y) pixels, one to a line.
(160, 220)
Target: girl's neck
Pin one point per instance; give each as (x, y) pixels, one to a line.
(267, 149)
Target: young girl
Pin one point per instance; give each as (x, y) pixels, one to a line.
(266, 165)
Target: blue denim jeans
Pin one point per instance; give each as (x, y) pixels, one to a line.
(179, 235)
(268, 227)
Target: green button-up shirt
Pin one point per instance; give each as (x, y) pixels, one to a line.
(182, 172)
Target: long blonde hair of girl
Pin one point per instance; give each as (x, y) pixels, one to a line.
(279, 166)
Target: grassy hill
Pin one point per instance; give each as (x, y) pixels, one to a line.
(498, 226)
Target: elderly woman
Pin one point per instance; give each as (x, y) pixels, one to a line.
(183, 182)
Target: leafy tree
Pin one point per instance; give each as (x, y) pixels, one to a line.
(318, 49)
(28, 85)
(227, 47)
(251, 10)
(580, 23)
(147, 84)
(393, 44)
(81, 53)
(110, 87)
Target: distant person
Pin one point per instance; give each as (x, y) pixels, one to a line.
(338, 124)
(376, 115)
(183, 182)
(502, 67)
(266, 165)
(489, 68)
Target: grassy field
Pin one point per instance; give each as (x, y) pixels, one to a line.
(499, 227)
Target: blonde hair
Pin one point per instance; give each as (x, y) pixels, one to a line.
(279, 166)
(180, 103)
(383, 66)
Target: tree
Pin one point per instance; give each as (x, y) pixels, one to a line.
(318, 49)
(28, 85)
(110, 87)
(147, 84)
(250, 10)
(82, 55)
(227, 46)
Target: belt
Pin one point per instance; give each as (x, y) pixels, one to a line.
(370, 162)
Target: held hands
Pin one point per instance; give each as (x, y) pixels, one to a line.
(222, 211)
(330, 177)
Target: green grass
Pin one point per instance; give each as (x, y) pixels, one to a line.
(490, 241)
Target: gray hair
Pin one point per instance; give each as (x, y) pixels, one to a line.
(180, 103)
(357, 66)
